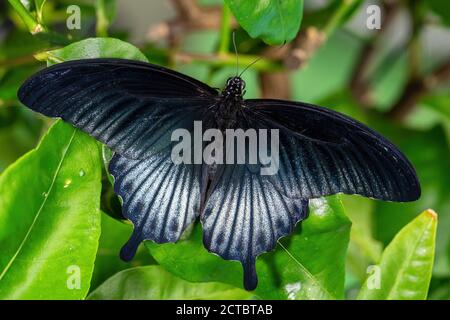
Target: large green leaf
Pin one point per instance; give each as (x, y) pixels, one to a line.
(154, 283)
(275, 21)
(107, 263)
(306, 265)
(94, 48)
(50, 218)
(59, 220)
(406, 264)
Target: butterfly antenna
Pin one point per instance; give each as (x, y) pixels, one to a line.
(259, 58)
(236, 51)
(252, 63)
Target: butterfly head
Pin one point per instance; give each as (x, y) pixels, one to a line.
(235, 87)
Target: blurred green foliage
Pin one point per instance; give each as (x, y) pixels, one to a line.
(328, 256)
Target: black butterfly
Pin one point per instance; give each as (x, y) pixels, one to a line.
(133, 107)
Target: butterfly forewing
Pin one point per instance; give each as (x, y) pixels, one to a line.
(133, 107)
(323, 152)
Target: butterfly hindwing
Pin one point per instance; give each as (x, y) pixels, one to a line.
(159, 197)
(131, 106)
(245, 216)
(320, 152)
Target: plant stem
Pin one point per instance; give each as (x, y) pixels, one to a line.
(414, 49)
(224, 30)
(14, 62)
(7, 103)
(222, 60)
(338, 17)
(32, 24)
(39, 7)
(102, 20)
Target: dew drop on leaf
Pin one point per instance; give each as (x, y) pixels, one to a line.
(292, 289)
(81, 173)
(67, 183)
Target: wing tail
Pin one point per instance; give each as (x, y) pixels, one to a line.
(159, 197)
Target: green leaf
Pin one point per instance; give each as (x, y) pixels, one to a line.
(111, 204)
(50, 218)
(107, 263)
(31, 23)
(13, 46)
(307, 265)
(12, 80)
(19, 133)
(94, 48)
(69, 217)
(363, 249)
(437, 105)
(439, 289)
(97, 48)
(154, 283)
(406, 263)
(321, 16)
(441, 8)
(275, 21)
(321, 78)
(39, 6)
(389, 79)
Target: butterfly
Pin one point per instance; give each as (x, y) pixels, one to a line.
(134, 108)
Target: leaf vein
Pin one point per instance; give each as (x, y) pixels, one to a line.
(19, 249)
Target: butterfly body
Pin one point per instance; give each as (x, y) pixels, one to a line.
(229, 104)
(225, 113)
(244, 207)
